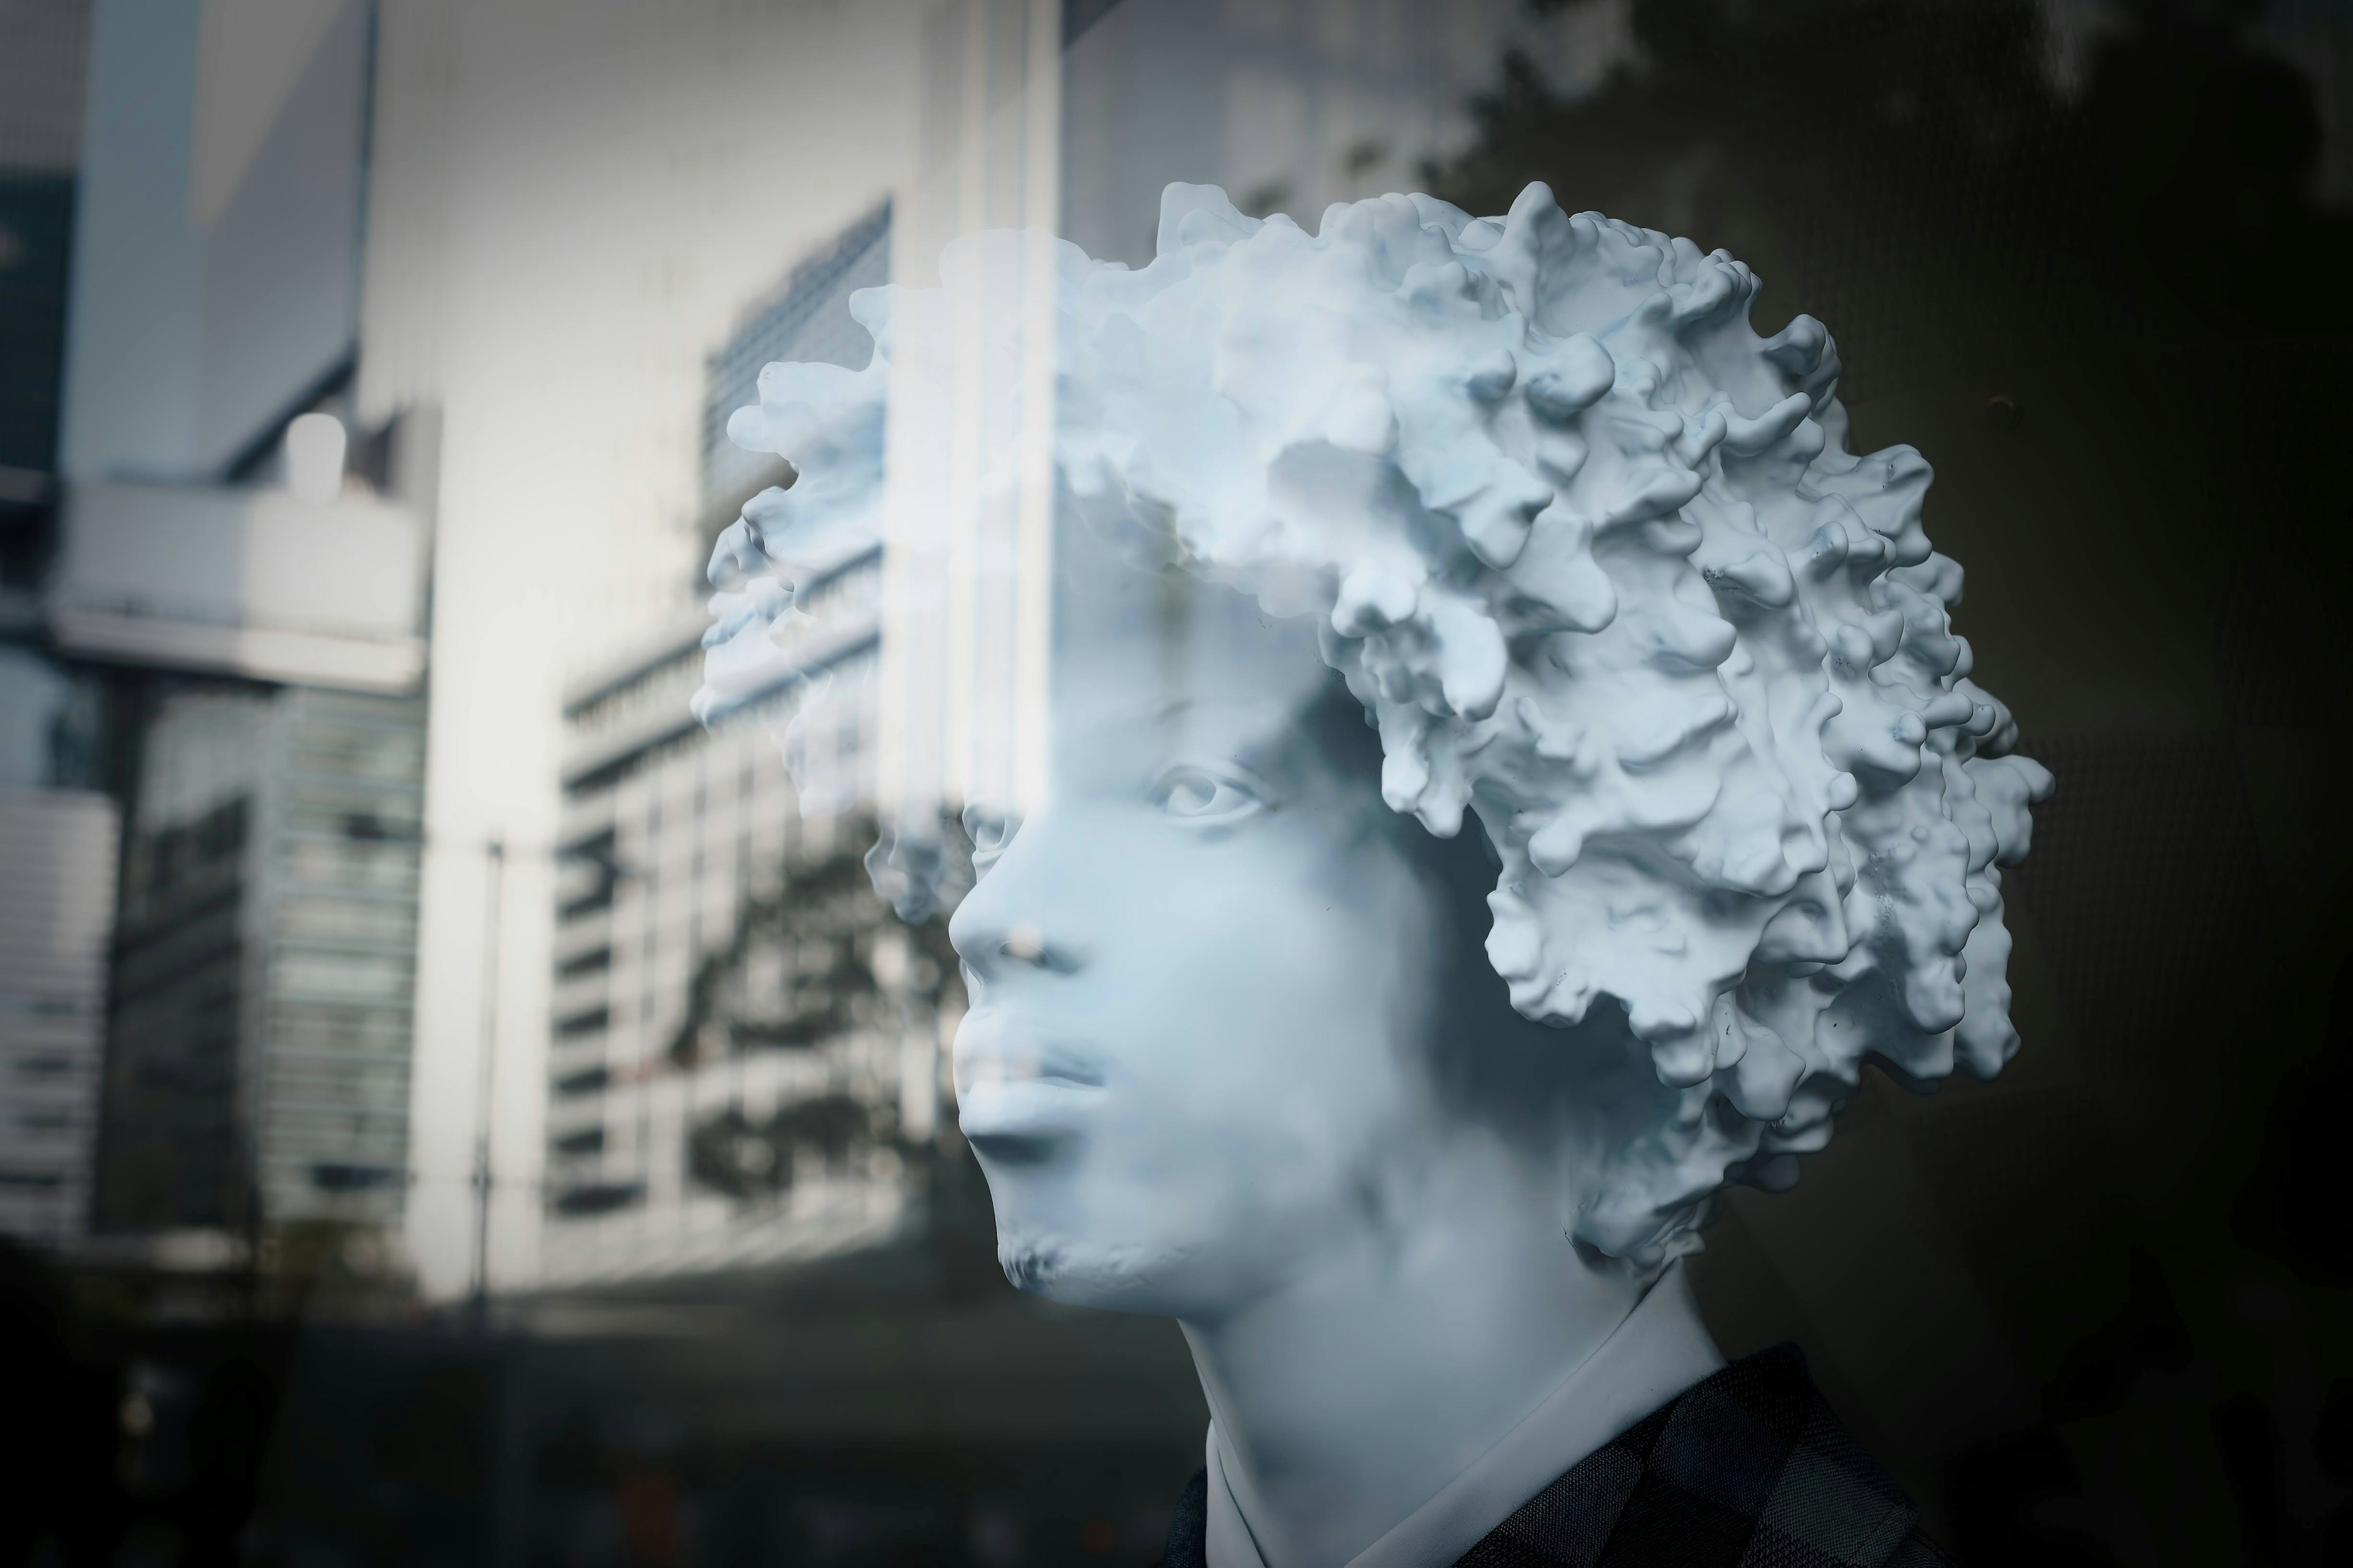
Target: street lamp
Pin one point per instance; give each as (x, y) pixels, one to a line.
(367, 827)
(496, 851)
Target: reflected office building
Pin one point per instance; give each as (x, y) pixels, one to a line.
(227, 596)
(57, 844)
(744, 1044)
(259, 1009)
(58, 829)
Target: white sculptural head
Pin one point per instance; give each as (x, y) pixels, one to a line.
(1589, 555)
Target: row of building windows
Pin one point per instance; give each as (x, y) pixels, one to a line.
(677, 834)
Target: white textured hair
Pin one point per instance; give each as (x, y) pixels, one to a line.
(1595, 557)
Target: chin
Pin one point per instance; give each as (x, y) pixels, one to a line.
(1120, 1277)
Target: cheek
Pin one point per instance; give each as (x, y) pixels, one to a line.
(1267, 1077)
(1276, 1004)
(1261, 1002)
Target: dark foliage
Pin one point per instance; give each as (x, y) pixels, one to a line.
(826, 921)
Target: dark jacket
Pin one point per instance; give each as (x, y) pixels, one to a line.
(1746, 1469)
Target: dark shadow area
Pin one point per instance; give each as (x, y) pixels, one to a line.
(896, 1405)
(2095, 1311)
(893, 1403)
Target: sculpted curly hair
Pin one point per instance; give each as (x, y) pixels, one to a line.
(1594, 556)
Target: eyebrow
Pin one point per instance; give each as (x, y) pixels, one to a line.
(1260, 749)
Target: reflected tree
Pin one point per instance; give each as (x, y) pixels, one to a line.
(816, 966)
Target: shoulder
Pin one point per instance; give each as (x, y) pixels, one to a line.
(1749, 1464)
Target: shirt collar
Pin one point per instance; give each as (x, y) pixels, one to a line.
(1660, 1350)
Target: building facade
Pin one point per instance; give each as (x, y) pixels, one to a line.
(234, 778)
(58, 832)
(566, 222)
(57, 898)
(737, 1043)
(263, 967)
(743, 1042)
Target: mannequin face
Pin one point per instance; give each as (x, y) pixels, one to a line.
(1203, 973)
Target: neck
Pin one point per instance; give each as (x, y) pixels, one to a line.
(1385, 1364)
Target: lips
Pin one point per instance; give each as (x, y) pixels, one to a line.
(1014, 1083)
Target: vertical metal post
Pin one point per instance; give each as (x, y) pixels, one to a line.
(492, 921)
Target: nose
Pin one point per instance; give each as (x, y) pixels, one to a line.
(1013, 922)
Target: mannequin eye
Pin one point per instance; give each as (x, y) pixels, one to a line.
(1192, 793)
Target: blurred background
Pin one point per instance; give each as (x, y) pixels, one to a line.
(456, 1110)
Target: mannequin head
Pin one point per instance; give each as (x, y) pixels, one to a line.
(1651, 658)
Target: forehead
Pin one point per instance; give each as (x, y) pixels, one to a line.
(1161, 658)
